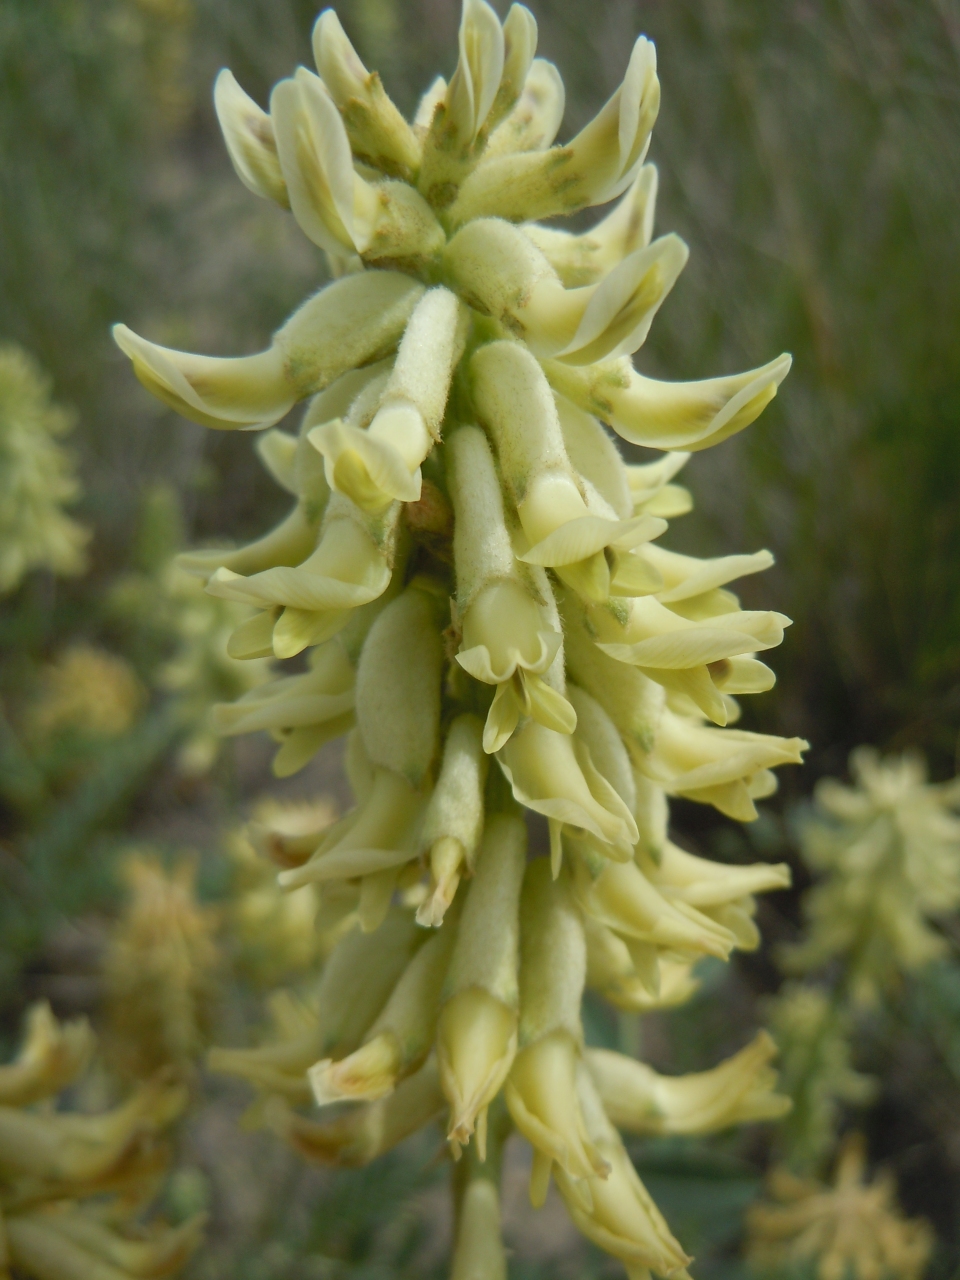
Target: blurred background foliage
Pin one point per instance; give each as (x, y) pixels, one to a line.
(808, 152)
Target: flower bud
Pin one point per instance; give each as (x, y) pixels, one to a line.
(738, 1091)
(289, 543)
(334, 206)
(669, 415)
(715, 766)
(400, 1038)
(381, 464)
(651, 491)
(600, 162)
(632, 701)
(351, 322)
(378, 133)
(251, 145)
(324, 695)
(677, 652)
(356, 982)
(514, 401)
(453, 821)
(477, 1031)
(599, 735)
(584, 259)
(501, 273)
(611, 972)
(618, 1213)
(351, 566)
(554, 775)
(507, 640)
(541, 1088)
(533, 123)
(399, 719)
(52, 1055)
(361, 1134)
(620, 896)
(379, 835)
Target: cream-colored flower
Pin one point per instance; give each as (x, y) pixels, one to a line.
(480, 574)
(615, 1210)
(738, 1091)
(851, 1227)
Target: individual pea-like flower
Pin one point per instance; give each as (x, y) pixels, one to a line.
(738, 1091)
(850, 1227)
(491, 619)
(888, 852)
(72, 1184)
(37, 477)
(160, 970)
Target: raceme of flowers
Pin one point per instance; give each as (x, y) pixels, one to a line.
(477, 581)
(74, 1186)
(36, 477)
(851, 1228)
(888, 849)
(160, 971)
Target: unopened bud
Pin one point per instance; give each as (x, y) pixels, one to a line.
(477, 1032)
(453, 820)
(402, 1035)
(362, 1133)
(398, 713)
(599, 163)
(337, 208)
(251, 145)
(378, 132)
(584, 259)
(617, 1212)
